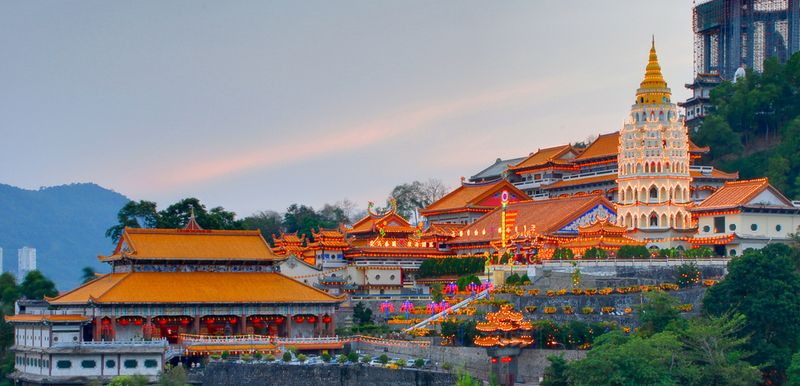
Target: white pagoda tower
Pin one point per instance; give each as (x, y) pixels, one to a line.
(654, 179)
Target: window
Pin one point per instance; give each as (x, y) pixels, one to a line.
(706, 229)
(719, 224)
(753, 227)
(64, 364)
(130, 363)
(778, 227)
(733, 252)
(391, 277)
(88, 364)
(150, 363)
(377, 277)
(732, 227)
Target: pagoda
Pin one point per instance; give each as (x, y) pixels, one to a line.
(505, 333)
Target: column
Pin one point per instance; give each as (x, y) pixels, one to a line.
(331, 327)
(288, 322)
(196, 325)
(243, 324)
(148, 321)
(97, 328)
(318, 326)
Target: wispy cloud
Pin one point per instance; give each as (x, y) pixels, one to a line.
(286, 152)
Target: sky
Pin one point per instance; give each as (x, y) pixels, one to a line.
(255, 105)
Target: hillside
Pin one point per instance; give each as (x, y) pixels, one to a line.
(66, 225)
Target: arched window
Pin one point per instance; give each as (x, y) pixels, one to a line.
(663, 220)
(663, 196)
(628, 221)
(653, 219)
(679, 220)
(646, 167)
(638, 168)
(653, 194)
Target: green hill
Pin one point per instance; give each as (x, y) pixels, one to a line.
(66, 225)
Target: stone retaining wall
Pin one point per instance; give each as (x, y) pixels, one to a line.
(236, 374)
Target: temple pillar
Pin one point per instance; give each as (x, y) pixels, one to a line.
(148, 322)
(288, 327)
(243, 323)
(196, 325)
(98, 328)
(331, 327)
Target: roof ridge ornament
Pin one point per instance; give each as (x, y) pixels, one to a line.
(192, 224)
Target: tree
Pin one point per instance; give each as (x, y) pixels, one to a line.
(463, 379)
(595, 253)
(633, 252)
(411, 197)
(173, 376)
(362, 314)
(763, 285)
(563, 254)
(37, 286)
(129, 380)
(88, 274)
(656, 313)
(268, 222)
(555, 374)
(436, 292)
(687, 275)
(302, 219)
(793, 373)
(134, 214)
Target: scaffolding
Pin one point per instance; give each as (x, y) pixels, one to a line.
(732, 33)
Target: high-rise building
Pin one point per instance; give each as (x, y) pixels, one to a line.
(26, 262)
(653, 162)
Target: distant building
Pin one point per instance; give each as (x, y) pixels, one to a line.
(699, 104)
(471, 201)
(26, 262)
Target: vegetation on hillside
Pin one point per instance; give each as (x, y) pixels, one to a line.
(755, 125)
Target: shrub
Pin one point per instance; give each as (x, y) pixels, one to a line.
(341, 359)
(326, 357)
(366, 359)
(215, 357)
(513, 279)
(225, 354)
(287, 356)
(269, 357)
(595, 253)
(258, 355)
(587, 310)
(352, 356)
(246, 357)
(402, 362)
(633, 252)
(383, 359)
(447, 366)
(563, 254)
(301, 357)
(687, 275)
(451, 266)
(464, 281)
(419, 362)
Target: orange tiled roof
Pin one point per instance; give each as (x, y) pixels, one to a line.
(193, 287)
(46, 318)
(176, 244)
(547, 215)
(606, 145)
(470, 195)
(543, 156)
(443, 229)
(715, 174)
(693, 148)
(582, 181)
(739, 193)
(370, 221)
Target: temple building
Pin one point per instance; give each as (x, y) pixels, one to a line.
(653, 164)
(470, 201)
(744, 214)
(168, 292)
(601, 234)
(534, 228)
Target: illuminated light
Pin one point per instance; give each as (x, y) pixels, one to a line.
(506, 360)
(494, 360)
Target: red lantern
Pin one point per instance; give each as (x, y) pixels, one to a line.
(312, 319)
(326, 319)
(233, 320)
(298, 319)
(209, 321)
(279, 320)
(106, 322)
(137, 322)
(184, 322)
(162, 321)
(123, 322)
(256, 320)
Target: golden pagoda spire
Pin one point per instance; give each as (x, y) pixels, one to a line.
(653, 88)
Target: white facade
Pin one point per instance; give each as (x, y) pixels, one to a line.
(26, 262)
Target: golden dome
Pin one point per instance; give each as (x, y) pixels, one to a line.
(653, 88)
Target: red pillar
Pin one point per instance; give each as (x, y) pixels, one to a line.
(288, 322)
(196, 325)
(244, 324)
(98, 328)
(148, 322)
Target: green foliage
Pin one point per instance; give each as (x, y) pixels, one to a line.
(129, 380)
(764, 286)
(304, 219)
(670, 253)
(258, 356)
(456, 266)
(352, 357)
(383, 359)
(656, 313)
(463, 331)
(269, 358)
(341, 359)
(226, 354)
(326, 356)
(555, 374)
(87, 274)
(268, 222)
(436, 292)
(563, 254)
(287, 356)
(633, 252)
(464, 379)
(687, 275)
(362, 314)
(756, 123)
(512, 279)
(700, 252)
(366, 359)
(595, 253)
(410, 197)
(402, 362)
(447, 366)
(246, 357)
(793, 373)
(464, 281)
(173, 376)
(37, 286)
(419, 362)
(301, 357)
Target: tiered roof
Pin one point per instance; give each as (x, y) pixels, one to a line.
(600, 234)
(193, 288)
(290, 243)
(606, 145)
(180, 244)
(477, 197)
(560, 155)
(374, 224)
(501, 326)
(328, 239)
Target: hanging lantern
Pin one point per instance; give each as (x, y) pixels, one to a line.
(298, 319)
(312, 319)
(184, 322)
(105, 322)
(326, 319)
(209, 321)
(279, 320)
(162, 322)
(232, 320)
(123, 322)
(137, 322)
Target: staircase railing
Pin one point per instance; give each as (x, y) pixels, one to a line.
(456, 307)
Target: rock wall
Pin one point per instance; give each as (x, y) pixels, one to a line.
(474, 359)
(236, 374)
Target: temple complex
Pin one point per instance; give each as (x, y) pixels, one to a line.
(470, 201)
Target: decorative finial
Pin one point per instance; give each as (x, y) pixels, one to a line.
(192, 224)
(653, 46)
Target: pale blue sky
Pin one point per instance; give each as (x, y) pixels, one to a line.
(256, 105)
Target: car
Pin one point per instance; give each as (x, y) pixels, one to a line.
(375, 362)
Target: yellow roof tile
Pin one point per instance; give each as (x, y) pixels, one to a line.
(543, 156)
(738, 193)
(470, 195)
(194, 287)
